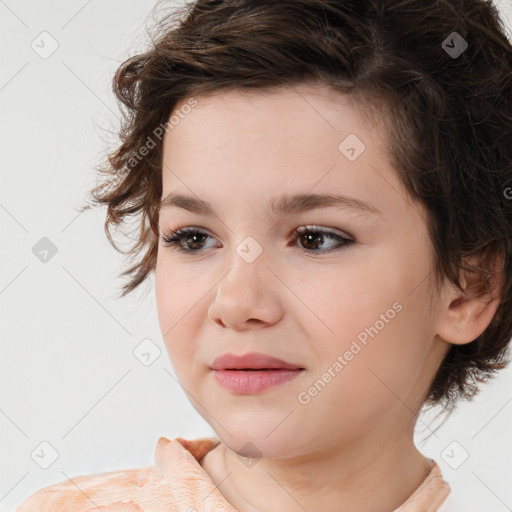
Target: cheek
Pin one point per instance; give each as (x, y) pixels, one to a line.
(346, 303)
(175, 294)
(174, 314)
(371, 320)
(384, 353)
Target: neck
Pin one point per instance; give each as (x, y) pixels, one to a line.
(366, 475)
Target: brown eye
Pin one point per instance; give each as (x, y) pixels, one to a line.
(312, 239)
(185, 239)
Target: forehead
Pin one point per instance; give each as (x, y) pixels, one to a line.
(245, 145)
(286, 113)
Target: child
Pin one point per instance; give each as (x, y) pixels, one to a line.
(325, 199)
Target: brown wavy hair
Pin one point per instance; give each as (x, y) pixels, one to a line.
(448, 120)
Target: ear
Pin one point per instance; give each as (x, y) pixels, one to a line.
(465, 316)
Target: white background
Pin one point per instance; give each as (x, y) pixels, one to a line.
(67, 369)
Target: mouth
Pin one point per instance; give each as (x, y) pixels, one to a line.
(258, 369)
(252, 362)
(252, 373)
(253, 381)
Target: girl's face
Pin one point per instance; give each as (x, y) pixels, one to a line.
(355, 315)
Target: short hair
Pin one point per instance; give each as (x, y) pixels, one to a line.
(438, 73)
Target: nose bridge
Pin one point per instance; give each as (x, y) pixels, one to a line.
(248, 262)
(246, 293)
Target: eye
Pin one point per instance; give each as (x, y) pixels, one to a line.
(190, 239)
(180, 237)
(312, 235)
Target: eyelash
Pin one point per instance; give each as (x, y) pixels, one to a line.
(173, 238)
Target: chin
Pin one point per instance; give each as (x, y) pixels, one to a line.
(255, 445)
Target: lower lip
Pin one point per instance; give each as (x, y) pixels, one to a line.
(253, 381)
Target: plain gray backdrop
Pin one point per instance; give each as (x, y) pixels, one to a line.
(74, 397)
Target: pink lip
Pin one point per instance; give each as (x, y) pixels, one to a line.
(252, 373)
(253, 381)
(251, 361)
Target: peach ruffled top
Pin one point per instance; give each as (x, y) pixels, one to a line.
(177, 483)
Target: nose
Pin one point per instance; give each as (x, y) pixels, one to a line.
(249, 296)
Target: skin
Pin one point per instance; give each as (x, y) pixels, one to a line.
(352, 443)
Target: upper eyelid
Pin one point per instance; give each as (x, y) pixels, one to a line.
(335, 232)
(301, 227)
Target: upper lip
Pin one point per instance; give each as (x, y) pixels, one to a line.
(251, 361)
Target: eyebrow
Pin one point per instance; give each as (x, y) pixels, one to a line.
(280, 205)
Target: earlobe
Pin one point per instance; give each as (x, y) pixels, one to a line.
(465, 316)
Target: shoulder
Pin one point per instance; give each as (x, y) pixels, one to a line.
(87, 493)
(175, 472)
